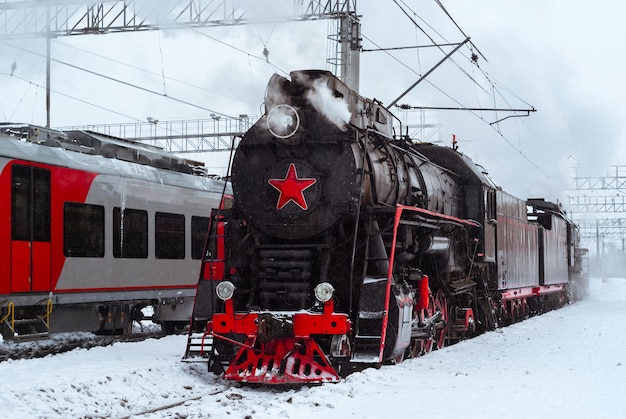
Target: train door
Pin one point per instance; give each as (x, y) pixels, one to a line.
(30, 229)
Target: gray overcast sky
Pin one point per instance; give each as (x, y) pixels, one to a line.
(561, 57)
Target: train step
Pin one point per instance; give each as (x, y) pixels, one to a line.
(24, 330)
(366, 349)
(365, 358)
(199, 347)
(362, 338)
(371, 314)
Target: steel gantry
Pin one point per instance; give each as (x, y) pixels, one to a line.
(28, 18)
(598, 205)
(181, 136)
(55, 18)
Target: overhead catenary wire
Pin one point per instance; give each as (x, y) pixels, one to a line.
(409, 47)
(285, 72)
(32, 115)
(418, 57)
(437, 44)
(266, 41)
(494, 125)
(477, 97)
(114, 79)
(266, 52)
(32, 83)
(488, 77)
(457, 26)
(244, 52)
(423, 77)
(471, 77)
(162, 64)
(411, 69)
(162, 75)
(19, 102)
(169, 78)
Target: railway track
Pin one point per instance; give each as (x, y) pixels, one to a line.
(175, 404)
(65, 342)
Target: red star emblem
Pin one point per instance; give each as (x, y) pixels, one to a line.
(292, 188)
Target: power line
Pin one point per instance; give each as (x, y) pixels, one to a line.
(474, 62)
(242, 51)
(148, 71)
(30, 82)
(126, 83)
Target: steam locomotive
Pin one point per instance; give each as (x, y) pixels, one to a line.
(347, 246)
(94, 229)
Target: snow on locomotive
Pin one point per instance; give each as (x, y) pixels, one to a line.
(348, 247)
(95, 229)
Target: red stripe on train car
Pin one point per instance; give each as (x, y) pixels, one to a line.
(68, 185)
(151, 287)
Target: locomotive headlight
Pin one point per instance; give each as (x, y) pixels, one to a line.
(324, 292)
(283, 121)
(225, 290)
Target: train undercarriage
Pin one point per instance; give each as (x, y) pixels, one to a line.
(35, 317)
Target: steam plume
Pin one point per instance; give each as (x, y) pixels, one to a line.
(333, 108)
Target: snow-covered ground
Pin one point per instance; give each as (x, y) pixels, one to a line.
(569, 363)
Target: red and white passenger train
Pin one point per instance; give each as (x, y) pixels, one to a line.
(347, 246)
(93, 229)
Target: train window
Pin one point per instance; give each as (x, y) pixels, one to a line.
(41, 207)
(83, 230)
(491, 205)
(130, 233)
(169, 236)
(30, 203)
(199, 229)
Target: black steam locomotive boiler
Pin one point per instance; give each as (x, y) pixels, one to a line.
(347, 246)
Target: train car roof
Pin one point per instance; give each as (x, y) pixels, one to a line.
(94, 152)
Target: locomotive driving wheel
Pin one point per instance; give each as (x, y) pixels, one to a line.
(439, 331)
(423, 346)
(441, 305)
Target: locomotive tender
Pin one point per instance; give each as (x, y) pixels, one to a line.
(95, 229)
(347, 246)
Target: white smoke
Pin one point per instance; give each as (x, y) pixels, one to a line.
(335, 109)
